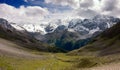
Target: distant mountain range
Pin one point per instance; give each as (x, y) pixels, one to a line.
(67, 33)
(84, 27)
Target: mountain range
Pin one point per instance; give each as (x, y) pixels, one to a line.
(82, 26)
(68, 34)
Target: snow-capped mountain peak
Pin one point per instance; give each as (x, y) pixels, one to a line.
(83, 27)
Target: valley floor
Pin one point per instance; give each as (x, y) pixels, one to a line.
(14, 57)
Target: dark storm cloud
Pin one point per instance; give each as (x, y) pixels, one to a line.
(86, 3)
(110, 5)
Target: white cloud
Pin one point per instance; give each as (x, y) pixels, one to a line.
(90, 8)
(26, 0)
(30, 14)
(81, 9)
(71, 3)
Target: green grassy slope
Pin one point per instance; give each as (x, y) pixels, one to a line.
(15, 57)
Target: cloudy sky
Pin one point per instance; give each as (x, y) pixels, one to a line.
(37, 11)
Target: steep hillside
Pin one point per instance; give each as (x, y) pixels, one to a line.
(107, 43)
(8, 48)
(22, 37)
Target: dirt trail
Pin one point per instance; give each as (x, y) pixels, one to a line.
(11, 49)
